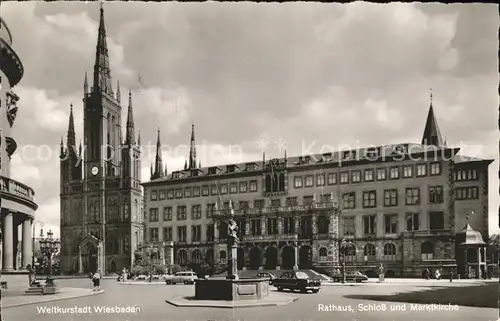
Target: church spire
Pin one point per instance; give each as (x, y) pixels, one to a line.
(85, 85)
(71, 141)
(62, 148)
(432, 134)
(118, 94)
(130, 132)
(192, 151)
(102, 72)
(158, 169)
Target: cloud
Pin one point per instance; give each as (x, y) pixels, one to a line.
(307, 74)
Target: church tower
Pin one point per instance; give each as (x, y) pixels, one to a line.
(101, 195)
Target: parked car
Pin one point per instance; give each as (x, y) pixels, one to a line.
(297, 281)
(266, 275)
(355, 276)
(181, 277)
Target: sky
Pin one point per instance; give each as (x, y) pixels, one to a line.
(258, 77)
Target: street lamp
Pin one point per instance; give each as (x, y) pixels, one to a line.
(33, 241)
(49, 246)
(344, 246)
(150, 250)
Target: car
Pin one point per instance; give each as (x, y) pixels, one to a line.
(187, 277)
(266, 275)
(297, 280)
(355, 276)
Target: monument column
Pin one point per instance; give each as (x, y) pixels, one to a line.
(8, 242)
(296, 255)
(27, 238)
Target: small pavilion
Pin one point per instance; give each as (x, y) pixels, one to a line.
(470, 253)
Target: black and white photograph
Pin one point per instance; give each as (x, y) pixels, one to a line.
(226, 161)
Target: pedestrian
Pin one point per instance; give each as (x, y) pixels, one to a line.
(96, 279)
(437, 274)
(381, 273)
(451, 275)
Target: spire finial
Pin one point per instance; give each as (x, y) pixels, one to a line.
(430, 95)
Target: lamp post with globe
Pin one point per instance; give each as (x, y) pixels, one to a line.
(48, 247)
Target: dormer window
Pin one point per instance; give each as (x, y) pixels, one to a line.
(230, 168)
(349, 154)
(307, 159)
(194, 172)
(327, 157)
(250, 166)
(371, 152)
(212, 171)
(400, 149)
(176, 175)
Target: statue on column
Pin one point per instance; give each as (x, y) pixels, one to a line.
(232, 226)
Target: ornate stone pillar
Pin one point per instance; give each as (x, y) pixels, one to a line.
(296, 255)
(216, 232)
(263, 225)
(100, 257)
(247, 227)
(314, 224)
(280, 225)
(27, 238)
(8, 242)
(296, 219)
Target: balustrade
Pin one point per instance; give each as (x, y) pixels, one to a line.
(13, 187)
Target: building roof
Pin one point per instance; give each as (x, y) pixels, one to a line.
(470, 236)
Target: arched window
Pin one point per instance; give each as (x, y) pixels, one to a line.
(268, 184)
(369, 252)
(390, 252)
(323, 224)
(275, 183)
(282, 183)
(182, 257)
(427, 251)
(112, 132)
(323, 254)
(209, 256)
(196, 257)
(350, 253)
(222, 255)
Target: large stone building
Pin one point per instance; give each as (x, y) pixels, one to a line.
(400, 205)
(101, 195)
(16, 199)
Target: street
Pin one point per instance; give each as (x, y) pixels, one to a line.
(147, 302)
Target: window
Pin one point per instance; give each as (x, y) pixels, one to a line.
(214, 190)
(291, 201)
(233, 188)
(370, 252)
(288, 225)
(332, 179)
(210, 233)
(467, 193)
(349, 200)
(320, 180)
(243, 187)
(436, 194)
(350, 253)
(167, 213)
(162, 195)
(258, 204)
(170, 194)
(210, 210)
(212, 171)
(408, 171)
(230, 168)
(187, 192)
(181, 234)
(181, 212)
(389, 252)
(205, 191)
(356, 176)
(326, 198)
(154, 196)
(421, 170)
(435, 169)
(308, 200)
(436, 220)
(167, 234)
(368, 175)
(344, 178)
(276, 202)
(412, 196)
(412, 222)
(244, 205)
(250, 166)
(466, 175)
(323, 254)
(253, 186)
(349, 226)
(323, 224)
(223, 189)
(297, 181)
(369, 225)
(391, 223)
(381, 174)
(153, 234)
(309, 181)
(196, 212)
(196, 192)
(394, 172)
(178, 193)
(196, 233)
(272, 226)
(256, 226)
(390, 197)
(369, 199)
(153, 215)
(427, 250)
